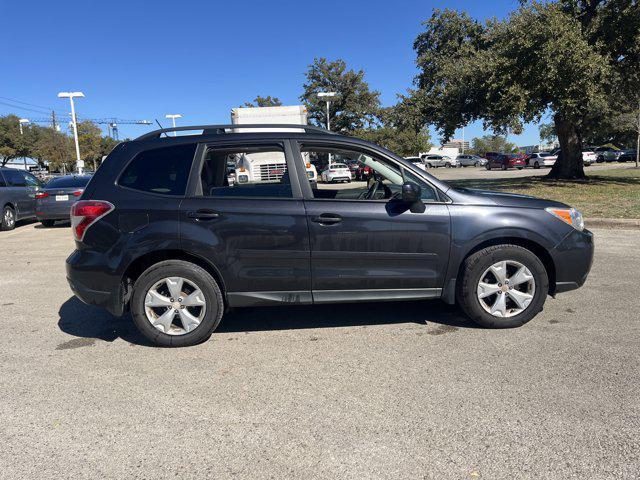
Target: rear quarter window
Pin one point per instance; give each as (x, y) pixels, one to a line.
(161, 170)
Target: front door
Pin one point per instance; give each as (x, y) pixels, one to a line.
(367, 243)
(247, 218)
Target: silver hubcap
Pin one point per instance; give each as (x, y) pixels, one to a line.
(175, 306)
(8, 218)
(506, 288)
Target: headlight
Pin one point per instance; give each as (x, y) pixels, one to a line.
(568, 215)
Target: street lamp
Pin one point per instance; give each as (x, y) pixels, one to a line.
(327, 97)
(173, 117)
(22, 121)
(71, 96)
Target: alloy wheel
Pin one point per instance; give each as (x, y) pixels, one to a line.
(175, 306)
(506, 288)
(9, 219)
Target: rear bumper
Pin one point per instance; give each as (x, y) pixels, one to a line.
(51, 211)
(573, 258)
(93, 288)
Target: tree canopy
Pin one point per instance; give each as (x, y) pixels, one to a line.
(491, 143)
(577, 60)
(267, 101)
(356, 107)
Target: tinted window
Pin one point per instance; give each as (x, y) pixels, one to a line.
(2, 182)
(257, 171)
(31, 180)
(162, 170)
(68, 182)
(15, 178)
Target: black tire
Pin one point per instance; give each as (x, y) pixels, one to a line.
(536, 165)
(8, 220)
(47, 223)
(503, 167)
(475, 265)
(447, 165)
(191, 272)
(488, 166)
(477, 164)
(600, 159)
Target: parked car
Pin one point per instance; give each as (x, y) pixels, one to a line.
(471, 161)
(434, 161)
(627, 156)
(505, 161)
(159, 233)
(336, 172)
(541, 159)
(588, 156)
(18, 190)
(54, 200)
(607, 154)
(363, 173)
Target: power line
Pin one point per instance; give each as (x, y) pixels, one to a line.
(18, 107)
(25, 103)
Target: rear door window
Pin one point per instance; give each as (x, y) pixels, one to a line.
(252, 171)
(2, 182)
(161, 170)
(15, 178)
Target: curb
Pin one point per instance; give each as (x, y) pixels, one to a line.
(622, 223)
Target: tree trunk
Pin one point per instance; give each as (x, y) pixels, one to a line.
(569, 162)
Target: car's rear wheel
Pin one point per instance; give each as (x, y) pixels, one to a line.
(503, 286)
(488, 166)
(504, 167)
(536, 165)
(477, 164)
(176, 304)
(8, 221)
(47, 223)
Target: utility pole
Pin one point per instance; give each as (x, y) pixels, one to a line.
(54, 124)
(638, 140)
(71, 96)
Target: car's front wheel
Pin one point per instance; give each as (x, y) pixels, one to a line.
(47, 223)
(176, 304)
(8, 221)
(503, 286)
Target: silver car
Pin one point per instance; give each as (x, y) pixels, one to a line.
(17, 196)
(466, 160)
(434, 161)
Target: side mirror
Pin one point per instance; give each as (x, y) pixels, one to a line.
(411, 193)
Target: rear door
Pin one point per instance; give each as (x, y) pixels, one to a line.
(366, 243)
(254, 229)
(19, 193)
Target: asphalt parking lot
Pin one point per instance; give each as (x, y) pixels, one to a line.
(391, 390)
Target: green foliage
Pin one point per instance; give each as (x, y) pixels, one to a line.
(267, 101)
(402, 142)
(491, 143)
(12, 143)
(577, 59)
(356, 106)
(56, 148)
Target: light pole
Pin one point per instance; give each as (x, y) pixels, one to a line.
(173, 117)
(327, 97)
(71, 96)
(22, 121)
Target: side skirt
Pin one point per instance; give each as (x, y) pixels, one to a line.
(250, 299)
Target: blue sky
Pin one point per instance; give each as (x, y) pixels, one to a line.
(141, 60)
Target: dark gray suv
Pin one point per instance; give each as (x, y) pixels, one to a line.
(162, 231)
(17, 196)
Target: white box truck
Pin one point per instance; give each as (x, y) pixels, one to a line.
(264, 167)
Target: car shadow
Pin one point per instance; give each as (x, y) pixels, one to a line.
(59, 224)
(85, 321)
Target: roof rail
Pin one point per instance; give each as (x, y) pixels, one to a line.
(218, 129)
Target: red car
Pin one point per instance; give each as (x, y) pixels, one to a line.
(505, 160)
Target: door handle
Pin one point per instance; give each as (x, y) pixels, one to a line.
(203, 215)
(327, 219)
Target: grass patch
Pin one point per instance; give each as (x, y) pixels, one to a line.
(607, 194)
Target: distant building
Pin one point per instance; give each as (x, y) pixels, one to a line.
(23, 163)
(461, 145)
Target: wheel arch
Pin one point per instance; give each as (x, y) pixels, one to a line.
(534, 247)
(451, 285)
(141, 263)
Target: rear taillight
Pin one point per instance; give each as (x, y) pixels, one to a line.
(77, 193)
(85, 213)
(42, 195)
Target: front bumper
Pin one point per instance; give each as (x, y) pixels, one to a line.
(573, 258)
